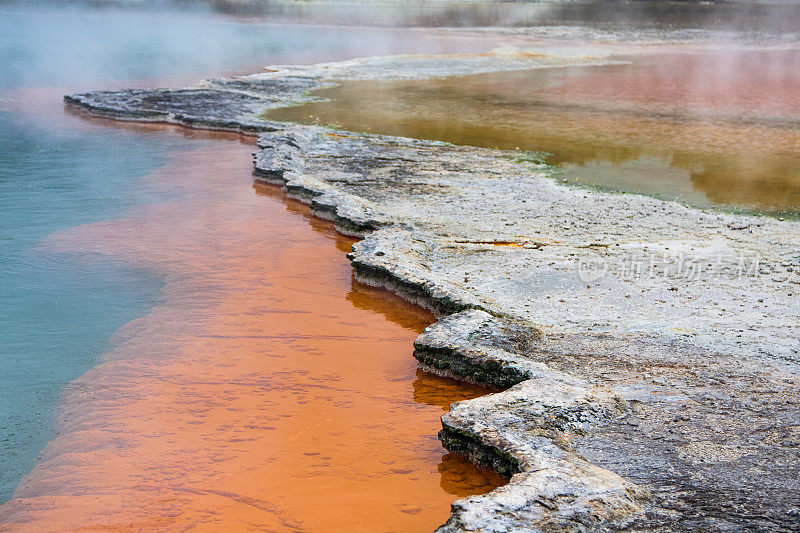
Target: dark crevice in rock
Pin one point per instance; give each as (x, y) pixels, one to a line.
(413, 292)
(452, 362)
(470, 446)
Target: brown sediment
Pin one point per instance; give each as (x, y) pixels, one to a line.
(268, 391)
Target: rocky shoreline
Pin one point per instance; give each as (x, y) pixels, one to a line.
(637, 394)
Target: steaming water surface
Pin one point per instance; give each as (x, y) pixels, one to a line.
(60, 304)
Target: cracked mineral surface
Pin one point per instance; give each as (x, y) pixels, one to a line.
(649, 350)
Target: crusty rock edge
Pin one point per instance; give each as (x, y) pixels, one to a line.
(521, 432)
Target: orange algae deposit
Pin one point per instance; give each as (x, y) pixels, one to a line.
(268, 391)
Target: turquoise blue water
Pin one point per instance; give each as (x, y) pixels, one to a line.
(57, 313)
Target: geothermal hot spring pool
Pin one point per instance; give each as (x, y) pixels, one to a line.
(181, 347)
(712, 128)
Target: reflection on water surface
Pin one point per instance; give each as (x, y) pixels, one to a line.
(710, 128)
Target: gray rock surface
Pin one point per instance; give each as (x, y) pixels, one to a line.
(651, 349)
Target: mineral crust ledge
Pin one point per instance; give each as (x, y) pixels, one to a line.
(651, 402)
